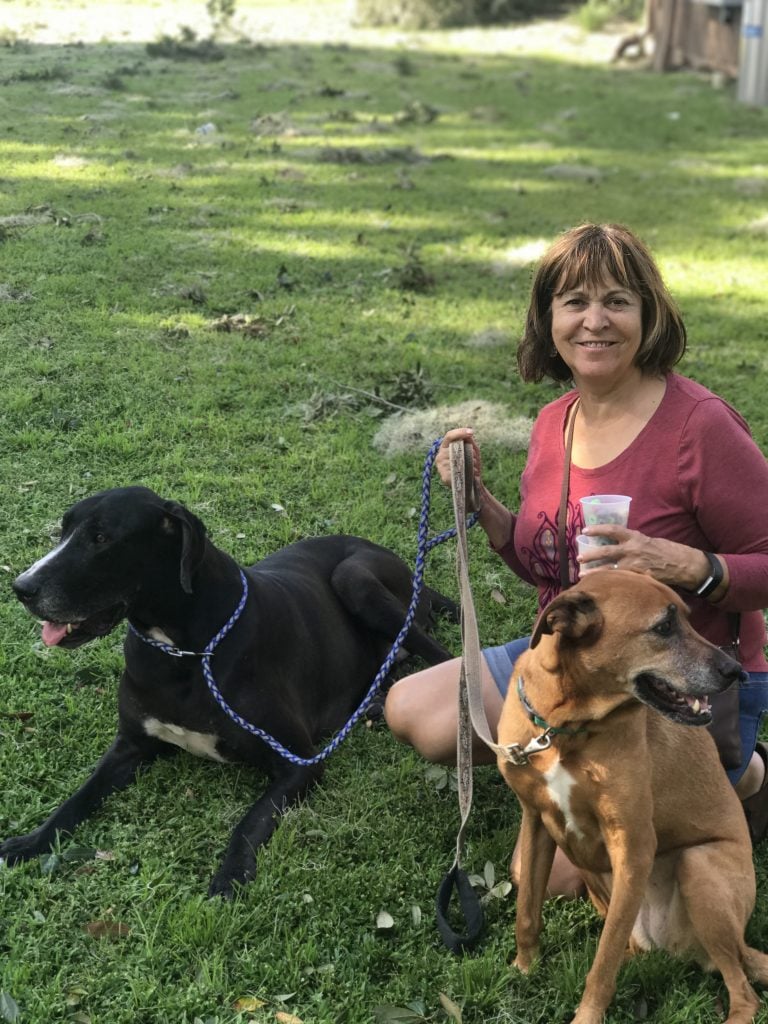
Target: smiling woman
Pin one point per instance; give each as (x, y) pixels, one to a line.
(601, 317)
(597, 331)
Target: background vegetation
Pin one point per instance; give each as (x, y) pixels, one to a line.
(218, 263)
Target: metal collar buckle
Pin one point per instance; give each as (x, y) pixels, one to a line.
(175, 652)
(520, 755)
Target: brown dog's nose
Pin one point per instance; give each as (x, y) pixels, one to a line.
(728, 668)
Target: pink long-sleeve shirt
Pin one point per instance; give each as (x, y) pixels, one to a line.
(695, 476)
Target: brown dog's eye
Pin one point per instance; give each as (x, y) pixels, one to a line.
(663, 628)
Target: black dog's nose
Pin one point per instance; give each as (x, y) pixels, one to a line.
(25, 590)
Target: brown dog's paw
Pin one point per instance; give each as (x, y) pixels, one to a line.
(524, 961)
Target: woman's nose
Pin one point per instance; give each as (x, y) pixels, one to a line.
(595, 317)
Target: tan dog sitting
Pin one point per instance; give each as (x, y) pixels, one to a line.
(641, 806)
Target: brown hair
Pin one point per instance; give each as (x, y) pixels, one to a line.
(585, 256)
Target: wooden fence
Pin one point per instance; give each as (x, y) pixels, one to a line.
(687, 33)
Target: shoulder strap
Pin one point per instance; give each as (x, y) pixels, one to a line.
(562, 542)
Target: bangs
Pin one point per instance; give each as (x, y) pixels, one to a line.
(591, 262)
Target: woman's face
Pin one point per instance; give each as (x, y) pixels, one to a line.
(597, 331)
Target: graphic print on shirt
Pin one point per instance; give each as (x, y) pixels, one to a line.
(542, 556)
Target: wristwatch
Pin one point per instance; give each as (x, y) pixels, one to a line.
(715, 577)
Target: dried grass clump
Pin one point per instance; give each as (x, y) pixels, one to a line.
(414, 432)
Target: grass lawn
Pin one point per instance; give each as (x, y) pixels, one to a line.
(220, 269)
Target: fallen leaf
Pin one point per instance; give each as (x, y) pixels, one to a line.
(78, 854)
(248, 1004)
(49, 862)
(384, 920)
(501, 889)
(9, 1008)
(287, 1018)
(107, 929)
(388, 1014)
(489, 873)
(450, 1008)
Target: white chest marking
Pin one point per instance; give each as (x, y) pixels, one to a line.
(162, 638)
(201, 744)
(560, 782)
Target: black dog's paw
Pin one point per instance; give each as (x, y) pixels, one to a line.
(229, 879)
(223, 887)
(17, 849)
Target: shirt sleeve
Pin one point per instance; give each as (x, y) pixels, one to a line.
(724, 475)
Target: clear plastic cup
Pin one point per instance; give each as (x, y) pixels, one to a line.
(584, 544)
(604, 510)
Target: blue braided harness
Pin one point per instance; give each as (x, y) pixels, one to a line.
(423, 547)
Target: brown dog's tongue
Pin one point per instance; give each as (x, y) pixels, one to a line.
(53, 633)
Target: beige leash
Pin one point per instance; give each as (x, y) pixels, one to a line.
(471, 712)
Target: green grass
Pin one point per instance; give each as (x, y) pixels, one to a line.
(124, 234)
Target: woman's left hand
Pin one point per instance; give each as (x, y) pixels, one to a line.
(675, 564)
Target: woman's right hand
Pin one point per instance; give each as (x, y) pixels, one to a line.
(443, 460)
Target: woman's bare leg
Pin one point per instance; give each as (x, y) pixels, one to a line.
(422, 711)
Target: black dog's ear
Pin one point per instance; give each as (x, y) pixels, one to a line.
(192, 540)
(572, 615)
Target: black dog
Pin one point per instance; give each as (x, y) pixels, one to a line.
(319, 618)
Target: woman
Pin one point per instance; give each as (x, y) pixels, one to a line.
(601, 317)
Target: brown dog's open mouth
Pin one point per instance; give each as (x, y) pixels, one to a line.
(680, 707)
(73, 634)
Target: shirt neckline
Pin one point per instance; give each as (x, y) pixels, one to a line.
(596, 471)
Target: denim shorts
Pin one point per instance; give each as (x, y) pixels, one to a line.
(753, 695)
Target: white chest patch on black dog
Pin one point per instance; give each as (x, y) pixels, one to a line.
(162, 638)
(201, 744)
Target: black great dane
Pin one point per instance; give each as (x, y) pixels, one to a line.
(318, 618)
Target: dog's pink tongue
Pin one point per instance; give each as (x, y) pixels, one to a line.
(53, 633)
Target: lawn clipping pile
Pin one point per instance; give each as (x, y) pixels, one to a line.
(238, 270)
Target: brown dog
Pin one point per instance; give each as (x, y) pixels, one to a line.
(642, 807)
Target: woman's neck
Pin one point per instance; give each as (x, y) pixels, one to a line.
(609, 420)
(635, 396)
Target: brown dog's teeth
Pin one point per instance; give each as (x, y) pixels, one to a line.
(696, 706)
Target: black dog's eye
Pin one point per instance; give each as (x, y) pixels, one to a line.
(100, 538)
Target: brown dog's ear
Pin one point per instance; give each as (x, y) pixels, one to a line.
(192, 540)
(572, 615)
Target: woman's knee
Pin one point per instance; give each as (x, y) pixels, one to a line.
(397, 712)
(420, 712)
